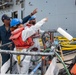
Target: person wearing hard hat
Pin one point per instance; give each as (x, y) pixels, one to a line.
(22, 38)
(36, 36)
(5, 33)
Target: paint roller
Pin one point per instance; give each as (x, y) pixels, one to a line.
(64, 33)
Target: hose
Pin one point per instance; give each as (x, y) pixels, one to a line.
(35, 69)
(60, 60)
(62, 63)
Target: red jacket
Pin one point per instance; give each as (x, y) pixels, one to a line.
(17, 39)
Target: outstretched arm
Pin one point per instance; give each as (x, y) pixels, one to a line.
(32, 30)
(25, 19)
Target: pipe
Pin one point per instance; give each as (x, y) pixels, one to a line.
(27, 53)
(35, 69)
(64, 33)
(6, 44)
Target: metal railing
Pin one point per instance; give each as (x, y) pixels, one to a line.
(23, 53)
(27, 53)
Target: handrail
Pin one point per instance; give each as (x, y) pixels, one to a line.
(27, 53)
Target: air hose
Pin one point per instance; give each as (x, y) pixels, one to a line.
(60, 60)
(62, 63)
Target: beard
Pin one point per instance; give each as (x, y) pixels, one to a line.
(33, 23)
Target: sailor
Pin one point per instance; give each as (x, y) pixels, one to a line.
(5, 33)
(22, 38)
(36, 36)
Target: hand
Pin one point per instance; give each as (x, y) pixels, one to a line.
(45, 19)
(10, 45)
(34, 12)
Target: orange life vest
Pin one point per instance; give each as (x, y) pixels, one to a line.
(16, 37)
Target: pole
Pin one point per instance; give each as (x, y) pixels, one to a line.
(27, 53)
